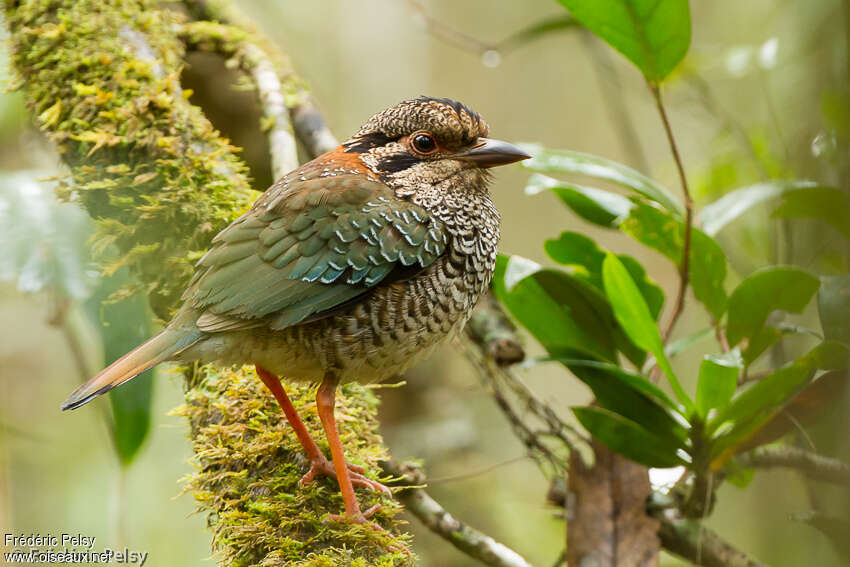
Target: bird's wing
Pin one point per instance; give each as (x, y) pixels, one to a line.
(301, 253)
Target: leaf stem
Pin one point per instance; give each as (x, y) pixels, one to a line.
(684, 268)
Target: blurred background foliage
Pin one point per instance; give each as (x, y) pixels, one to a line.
(762, 95)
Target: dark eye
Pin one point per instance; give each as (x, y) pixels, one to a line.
(424, 143)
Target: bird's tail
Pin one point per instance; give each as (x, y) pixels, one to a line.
(160, 348)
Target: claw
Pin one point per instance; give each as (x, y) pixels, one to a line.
(324, 467)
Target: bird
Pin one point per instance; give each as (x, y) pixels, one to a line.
(353, 267)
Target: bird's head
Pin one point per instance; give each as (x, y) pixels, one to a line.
(428, 142)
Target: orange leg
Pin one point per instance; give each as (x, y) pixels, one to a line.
(326, 400)
(319, 464)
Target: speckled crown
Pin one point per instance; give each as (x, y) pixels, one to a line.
(450, 121)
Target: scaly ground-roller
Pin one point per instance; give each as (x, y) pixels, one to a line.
(355, 266)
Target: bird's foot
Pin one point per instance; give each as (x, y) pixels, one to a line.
(363, 518)
(325, 468)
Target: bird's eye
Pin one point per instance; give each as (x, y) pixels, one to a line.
(424, 143)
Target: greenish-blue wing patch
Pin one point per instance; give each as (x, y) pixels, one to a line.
(306, 250)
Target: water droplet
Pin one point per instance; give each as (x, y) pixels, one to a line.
(767, 53)
(491, 58)
(823, 145)
(738, 60)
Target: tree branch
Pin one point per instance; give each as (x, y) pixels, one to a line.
(257, 64)
(811, 464)
(684, 268)
(492, 330)
(692, 541)
(467, 539)
(306, 120)
(484, 49)
(548, 441)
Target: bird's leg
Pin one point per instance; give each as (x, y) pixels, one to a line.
(319, 464)
(326, 400)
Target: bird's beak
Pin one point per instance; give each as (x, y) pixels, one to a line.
(490, 153)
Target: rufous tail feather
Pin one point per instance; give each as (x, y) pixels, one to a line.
(160, 348)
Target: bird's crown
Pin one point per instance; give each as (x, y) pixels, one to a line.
(452, 123)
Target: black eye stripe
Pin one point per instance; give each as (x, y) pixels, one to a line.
(365, 143)
(397, 162)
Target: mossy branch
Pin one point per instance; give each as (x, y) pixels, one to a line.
(103, 79)
(248, 469)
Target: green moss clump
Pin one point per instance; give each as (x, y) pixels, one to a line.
(103, 78)
(249, 463)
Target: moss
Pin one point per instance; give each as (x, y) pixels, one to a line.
(248, 466)
(102, 78)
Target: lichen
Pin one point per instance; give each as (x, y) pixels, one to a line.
(102, 79)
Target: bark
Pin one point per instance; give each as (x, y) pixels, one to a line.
(607, 521)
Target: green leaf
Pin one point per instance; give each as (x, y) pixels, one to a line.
(764, 291)
(634, 317)
(661, 231)
(565, 161)
(123, 326)
(828, 204)
(738, 476)
(834, 308)
(718, 380)
(715, 216)
(771, 393)
(754, 408)
(627, 438)
(813, 403)
(769, 335)
(625, 394)
(585, 257)
(634, 381)
(652, 34)
(600, 207)
(566, 314)
(651, 292)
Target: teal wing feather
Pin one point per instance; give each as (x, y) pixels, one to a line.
(305, 250)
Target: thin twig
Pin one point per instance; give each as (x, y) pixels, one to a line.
(475, 473)
(684, 268)
(467, 539)
(810, 464)
(490, 333)
(472, 44)
(720, 335)
(503, 384)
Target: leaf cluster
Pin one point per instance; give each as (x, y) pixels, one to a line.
(597, 312)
